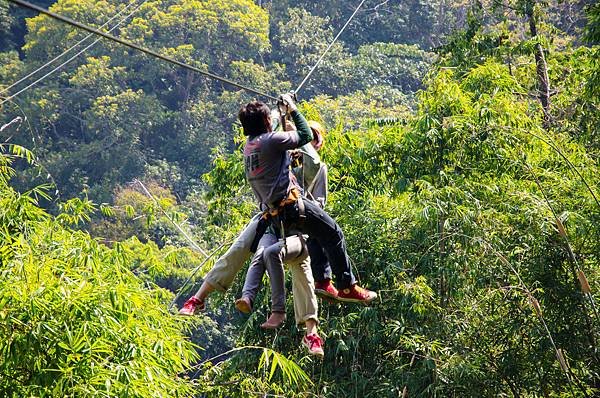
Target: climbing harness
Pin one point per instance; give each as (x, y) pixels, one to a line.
(277, 214)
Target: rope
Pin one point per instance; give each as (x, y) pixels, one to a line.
(327, 49)
(189, 239)
(67, 50)
(147, 51)
(70, 59)
(194, 271)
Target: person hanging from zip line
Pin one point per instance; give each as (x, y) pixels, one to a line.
(273, 251)
(267, 165)
(311, 173)
(256, 123)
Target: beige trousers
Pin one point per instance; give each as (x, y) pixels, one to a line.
(294, 253)
(228, 265)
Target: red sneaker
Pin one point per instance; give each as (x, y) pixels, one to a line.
(356, 294)
(191, 306)
(326, 289)
(314, 344)
(244, 305)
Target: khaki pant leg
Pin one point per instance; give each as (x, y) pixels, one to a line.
(303, 285)
(228, 265)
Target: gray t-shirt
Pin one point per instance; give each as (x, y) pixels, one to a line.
(267, 165)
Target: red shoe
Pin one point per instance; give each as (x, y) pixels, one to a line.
(244, 305)
(314, 344)
(191, 306)
(326, 289)
(356, 294)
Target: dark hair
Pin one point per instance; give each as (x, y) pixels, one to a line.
(255, 118)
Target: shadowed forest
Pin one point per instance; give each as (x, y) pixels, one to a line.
(463, 151)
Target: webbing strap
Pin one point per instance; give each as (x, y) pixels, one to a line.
(301, 212)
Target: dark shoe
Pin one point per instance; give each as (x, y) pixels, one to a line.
(314, 344)
(244, 305)
(275, 320)
(326, 289)
(356, 294)
(191, 306)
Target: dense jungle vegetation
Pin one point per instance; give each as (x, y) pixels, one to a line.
(463, 147)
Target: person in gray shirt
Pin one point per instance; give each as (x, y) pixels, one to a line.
(267, 166)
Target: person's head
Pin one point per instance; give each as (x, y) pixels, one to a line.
(255, 117)
(318, 134)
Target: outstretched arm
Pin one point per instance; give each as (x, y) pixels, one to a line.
(304, 131)
(302, 127)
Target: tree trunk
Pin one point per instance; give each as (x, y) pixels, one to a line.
(540, 65)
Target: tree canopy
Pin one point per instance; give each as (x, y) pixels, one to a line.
(462, 150)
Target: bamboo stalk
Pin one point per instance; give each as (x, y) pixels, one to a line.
(535, 304)
(561, 360)
(561, 228)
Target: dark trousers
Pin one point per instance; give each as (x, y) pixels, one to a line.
(322, 228)
(319, 263)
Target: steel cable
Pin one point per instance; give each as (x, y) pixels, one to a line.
(67, 50)
(73, 57)
(328, 48)
(147, 51)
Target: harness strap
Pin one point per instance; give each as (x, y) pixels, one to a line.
(269, 214)
(261, 228)
(302, 212)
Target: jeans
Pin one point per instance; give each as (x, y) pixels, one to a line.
(255, 273)
(295, 254)
(270, 256)
(319, 263)
(321, 227)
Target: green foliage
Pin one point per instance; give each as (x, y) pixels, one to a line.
(12, 67)
(392, 65)
(471, 217)
(443, 216)
(6, 18)
(107, 116)
(592, 33)
(74, 320)
(302, 38)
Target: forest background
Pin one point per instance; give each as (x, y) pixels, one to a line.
(463, 152)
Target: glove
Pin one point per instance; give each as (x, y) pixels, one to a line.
(288, 102)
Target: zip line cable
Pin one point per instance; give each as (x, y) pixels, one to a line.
(67, 50)
(328, 48)
(147, 51)
(74, 56)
